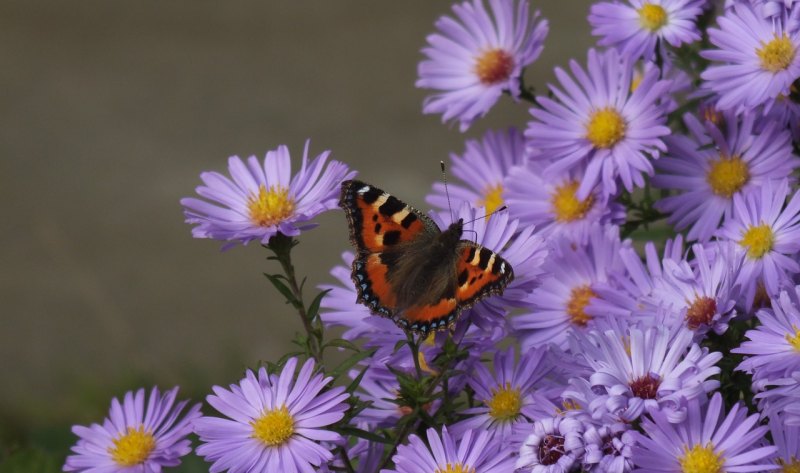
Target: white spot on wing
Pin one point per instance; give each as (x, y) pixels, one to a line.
(503, 267)
(363, 190)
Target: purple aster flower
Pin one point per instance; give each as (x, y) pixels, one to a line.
(478, 55)
(650, 368)
(552, 204)
(711, 166)
(769, 234)
(609, 448)
(635, 27)
(707, 440)
(482, 169)
(135, 437)
(774, 346)
(572, 274)
(365, 457)
(781, 398)
(597, 121)
(260, 200)
(508, 397)
(475, 452)
(556, 445)
(757, 58)
(275, 422)
(787, 439)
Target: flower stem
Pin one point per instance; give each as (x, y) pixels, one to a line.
(281, 245)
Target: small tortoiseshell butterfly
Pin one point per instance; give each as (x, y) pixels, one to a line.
(408, 269)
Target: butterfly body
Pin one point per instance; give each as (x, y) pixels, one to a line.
(408, 269)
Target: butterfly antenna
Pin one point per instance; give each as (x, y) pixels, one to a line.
(447, 193)
(501, 209)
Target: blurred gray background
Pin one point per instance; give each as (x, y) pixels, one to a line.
(110, 110)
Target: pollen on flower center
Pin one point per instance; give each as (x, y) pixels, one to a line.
(133, 447)
(652, 17)
(505, 403)
(792, 466)
(492, 198)
(274, 428)
(270, 207)
(700, 459)
(493, 66)
(566, 205)
(605, 128)
(727, 175)
(578, 300)
(777, 54)
(758, 239)
(701, 312)
(551, 449)
(794, 339)
(455, 468)
(645, 387)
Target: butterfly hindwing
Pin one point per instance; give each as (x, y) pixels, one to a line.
(480, 273)
(373, 287)
(378, 220)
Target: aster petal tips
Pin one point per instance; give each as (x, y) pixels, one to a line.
(262, 198)
(476, 55)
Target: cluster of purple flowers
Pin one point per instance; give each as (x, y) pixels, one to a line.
(603, 354)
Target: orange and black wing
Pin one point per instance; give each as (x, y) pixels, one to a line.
(479, 273)
(378, 220)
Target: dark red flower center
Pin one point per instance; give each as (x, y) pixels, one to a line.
(551, 449)
(494, 66)
(701, 312)
(645, 387)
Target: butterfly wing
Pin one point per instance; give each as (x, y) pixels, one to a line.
(380, 227)
(478, 273)
(379, 221)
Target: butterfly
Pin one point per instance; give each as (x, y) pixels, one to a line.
(408, 269)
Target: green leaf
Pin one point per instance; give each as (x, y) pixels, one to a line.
(313, 308)
(282, 288)
(355, 432)
(341, 343)
(354, 384)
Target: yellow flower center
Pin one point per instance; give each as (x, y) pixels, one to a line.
(792, 466)
(776, 55)
(727, 175)
(492, 198)
(652, 17)
(566, 205)
(606, 127)
(274, 428)
(270, 207)
(758, 239)
(133, 447)
(794, 339)
(455, 468)
(505, 403)
(700, 459)
(569, 405)
(578, 300)
(493, 66)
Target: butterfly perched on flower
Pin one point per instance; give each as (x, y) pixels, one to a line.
(408, 269)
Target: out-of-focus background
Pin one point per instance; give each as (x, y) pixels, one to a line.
(109, 111)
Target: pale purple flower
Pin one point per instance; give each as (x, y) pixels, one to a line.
(475, 452)
(773, 347)
(634, 27)
(757, 58)
(272, 422)
(260, 200)
(706, 440)
(712, 165)
(552, 205)
(478, 54)
(609, 448)
(481, 169)
(781, 398)
(768, 234)
(555, 445)
(568, 288)
(647, 368)
(787, 439)
(508, 397)
(597, 121)
(135, 437)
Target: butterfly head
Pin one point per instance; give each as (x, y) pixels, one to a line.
(450, 237)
